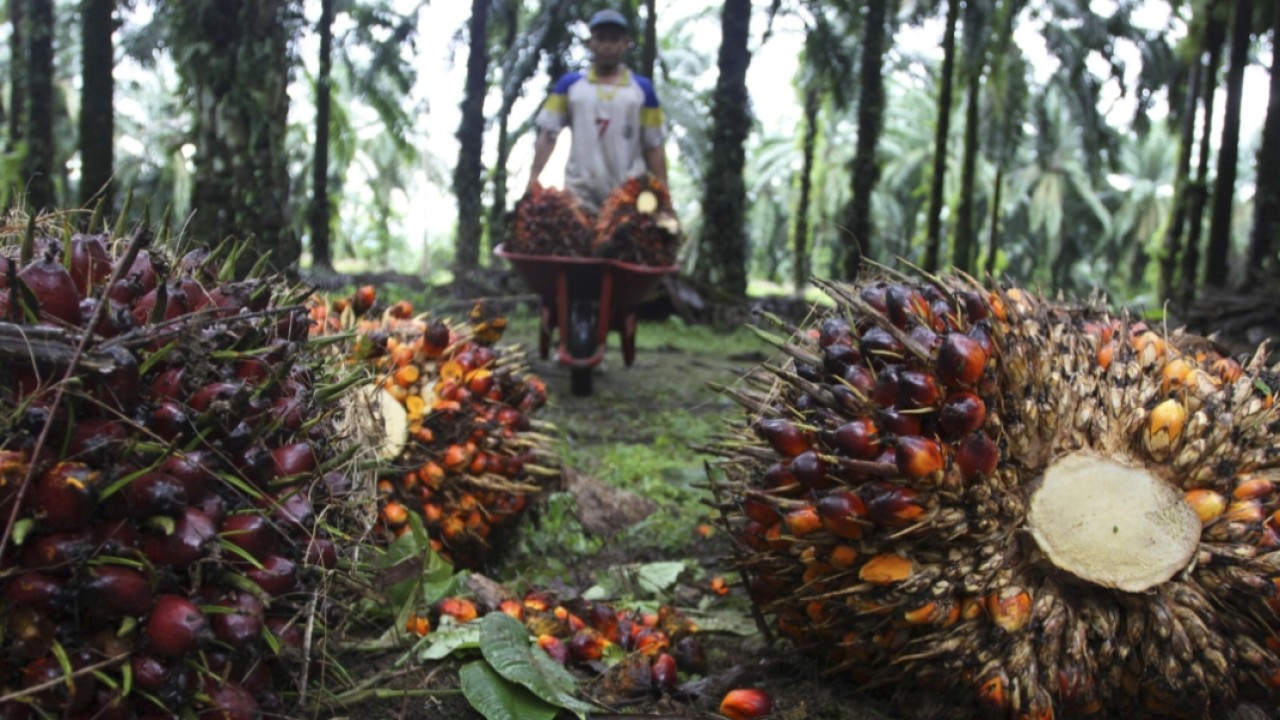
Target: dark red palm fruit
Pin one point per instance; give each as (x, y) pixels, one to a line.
(116, 537)
(63, 497)
(194, 470)
(833, 331)
(142, 272)
(29, 633)
(977, 456)
(228, 300)
(277, 576)
(336, 484)
(252, 370)
(291, 508)
(229, 701)
(586, 645)
(961, 414)
(98, 441)
(169, 385)
(690, 656)
(322, 552)
(435, 338)
(902, 304)
(885, 392)
(874, 295)
(760, 511)
(780, 480)
(961, 360)
(53, 289)
(35, 589)
(917, 390)
(169, 420)
(483, 356)
(858, 439)
(891, 505)
(293, 459)
(250, 532)
(90, 262)
(811, 470)
(63, 695)
(975, 306)
(150, 674)
(837, 358)
(114, 591)
(285, 630)
(57, 553)
(193, 293)
(214, 507)
(293, 325)
(192, 538)
(197, 264)
(107, 644)
(288, 412)
(926, 338)
(919, 457)
(254, 675)
(175, 627)
(898, 423)
(223, 393)
(783, 435)
(363, 298)
(242, 623)
(877, 345)
(840, 512)
(154, 493)
(860, 378)
(253, 462)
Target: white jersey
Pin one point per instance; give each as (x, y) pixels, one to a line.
(611, 124)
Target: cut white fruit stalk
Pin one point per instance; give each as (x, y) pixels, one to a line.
(375, 419)
(1111, 524)
(646, 202)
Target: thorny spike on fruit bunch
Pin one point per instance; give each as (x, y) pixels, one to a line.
(638, 224)
(167, 496)
(549, 221)
(460, 445)
(1034, 507)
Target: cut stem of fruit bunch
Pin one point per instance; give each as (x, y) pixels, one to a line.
(1031, 507)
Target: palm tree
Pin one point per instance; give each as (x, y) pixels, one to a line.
(865, 168)
(1215, 35)
(38, 168)
(466, 177)
(1266, 219)
(17, 75)
(1007, 83)
(933, 238)
(1229, 148)
(976, 32)
(319, 214)
(1186, 134)
(97, 101)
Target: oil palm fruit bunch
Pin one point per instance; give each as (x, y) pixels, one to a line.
(163, 455)
(549, 221)
(1038, 508)
(638, 224)
(459, 442)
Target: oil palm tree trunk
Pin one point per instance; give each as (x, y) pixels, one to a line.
(97, 92)
(1229, 149)
(38, 161)
(858, 240)
(993, 237)
(933, 237)
(1266, 203)
(1191, 258)
(649, 52)
(1187, 135)
(498, 211)
(800, 265)
(466, 177)
(17, 75)
(965, 221)
(318, 215)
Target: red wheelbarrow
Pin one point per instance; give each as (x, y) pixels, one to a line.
(583, 299)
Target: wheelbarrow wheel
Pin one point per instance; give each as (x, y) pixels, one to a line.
(582, 344)
(580, 380)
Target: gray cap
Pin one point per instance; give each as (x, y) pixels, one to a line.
(608, 17)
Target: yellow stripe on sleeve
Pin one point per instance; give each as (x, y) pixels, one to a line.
(557, 103)
(650, 117)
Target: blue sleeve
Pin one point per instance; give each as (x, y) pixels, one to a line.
(650, 96)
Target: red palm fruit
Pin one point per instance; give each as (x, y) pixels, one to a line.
(142, 271)
(115, 591)
(66, 695)
(840, 511)
(977, 456)
(196, 264)
(169, 384)
(250, 532)
(664, 673)
(780, 480)
(783, 435)
(690, 656)
(229, 701)
(53, 289)
(119, 386)
(460, 609)
(194, 470)
(285, 630)
(885, 393)
(811, 471)
(834, 330)
(242, 624)
(802, 521)
(552, 646)
(174, 304)
(874, 295)
(760, 511)
(587, 645)
(277, 576)
(746, 704)
(64, 495)
(192, 291)
(57, 552)
(860, 379)
(150, 673)
(899, 423)
(917, 390)
(116, 537)
(363, 299)
(961, 360)
(96, 439)
(36, 589)
(192, 537)
(838, 358)
(878, 346)
(221, 392)
(28, 632)
(175, 627)
(294, 326)
(919, 457)
(154, 493)
(252, 370)
(961, 414)
(288, 412)
(293, 459)
(322, 552)
(858, 438)
(926, 337)
(169, 420)
(891, 505)
(292, 509)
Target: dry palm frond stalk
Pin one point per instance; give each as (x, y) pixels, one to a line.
(638, 224)
(1035, 507)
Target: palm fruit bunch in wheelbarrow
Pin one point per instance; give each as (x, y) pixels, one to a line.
(638, 224)
(164, 461)
(1028, 506)
(549, 221)
(455, 428)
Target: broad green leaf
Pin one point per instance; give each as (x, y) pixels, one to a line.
(659, 577)
(497, 699)
(442, 643)
(505, 644)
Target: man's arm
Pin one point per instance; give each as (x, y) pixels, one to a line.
(546, 143)
(655, 158)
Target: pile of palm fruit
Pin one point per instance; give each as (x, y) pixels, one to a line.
(1032, 507)
(460, 444)
(164, 462)
(638, 224)
(549, 221)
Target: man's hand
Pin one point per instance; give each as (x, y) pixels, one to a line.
(541, 153)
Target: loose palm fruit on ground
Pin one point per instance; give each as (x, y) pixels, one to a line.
(549, 221)
(1032, 507)
(165, 509)
(457, 439)
(638, 224)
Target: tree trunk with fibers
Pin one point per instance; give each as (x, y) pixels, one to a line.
(724, 242)
(649, 53)
(1200, 190)
(17, 76)
(1228, 150)
(966, 231)
(498, 211)
(97, 98)
(37, 167)
(866, 168)
(1187, 136)
(800, 265)
(235, 64)
(933, 240)
(994, 236)
(467, 183)
(318, 215)
(1266, 203)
